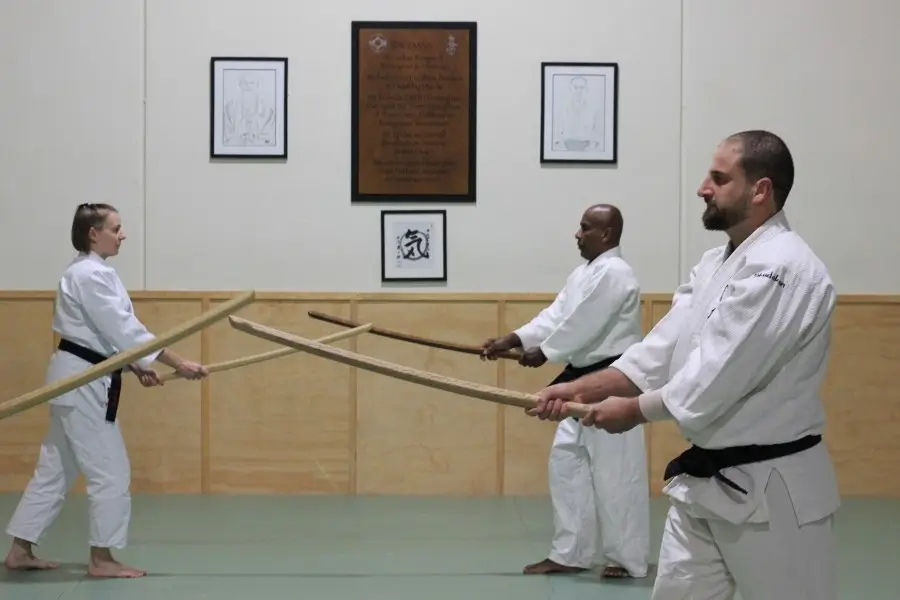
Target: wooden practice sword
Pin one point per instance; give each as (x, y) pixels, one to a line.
(413, 339)
(402, 372)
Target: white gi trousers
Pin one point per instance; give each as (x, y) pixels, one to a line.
(710, 559)
(600, 492)
(79, 440)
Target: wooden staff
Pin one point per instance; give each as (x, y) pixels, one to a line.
(123, 359)
(256, 358)
(413, 339)
(448, 384)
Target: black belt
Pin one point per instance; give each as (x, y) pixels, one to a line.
(700, 462)
(571, 373)
(115, 388)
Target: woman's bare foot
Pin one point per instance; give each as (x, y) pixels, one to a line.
(104, 565)
(21, 558)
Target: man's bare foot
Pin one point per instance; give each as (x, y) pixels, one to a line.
(21, 558)
(611, 572)
(113, 568)
(549, 567)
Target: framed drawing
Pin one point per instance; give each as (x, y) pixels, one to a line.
(248, 109)
(413, 245)
(413, 109)
(579, 112)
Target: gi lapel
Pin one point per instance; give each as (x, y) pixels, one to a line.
(705, 302)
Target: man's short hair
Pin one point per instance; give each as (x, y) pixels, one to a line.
(764, 154)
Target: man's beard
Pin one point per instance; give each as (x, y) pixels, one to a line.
(723, 219)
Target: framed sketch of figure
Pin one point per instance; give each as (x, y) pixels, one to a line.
(248, 107)
(413, 245)
(579, 112)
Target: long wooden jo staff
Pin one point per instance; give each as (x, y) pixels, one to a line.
(413, 339)
(448, 384)
(256, 358)
(123, 359)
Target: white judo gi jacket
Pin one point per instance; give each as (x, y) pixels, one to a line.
(595, 316)
(739, 360)
(93, 309)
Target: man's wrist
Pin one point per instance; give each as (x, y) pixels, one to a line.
(587, 392)
(548, 353)
(598, 386)
(636, 412)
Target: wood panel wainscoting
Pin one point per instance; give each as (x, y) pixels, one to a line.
(304, 425)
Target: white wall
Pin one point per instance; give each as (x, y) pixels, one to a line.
(71, 93)
(108, 102)
(823, 74)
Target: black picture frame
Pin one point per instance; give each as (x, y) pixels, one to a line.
(577, 78)
(356, 194)
(276, 95)
(393, 222)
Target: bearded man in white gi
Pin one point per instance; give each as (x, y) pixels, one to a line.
(598, 482)
(737, 364)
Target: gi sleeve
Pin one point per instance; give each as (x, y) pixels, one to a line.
(646, 363)
(595, 314)
(123, 330)
(536, 331)
(750, 333)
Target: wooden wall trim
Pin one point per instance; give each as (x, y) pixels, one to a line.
(469, 453)
(352, 435)
(205, 400)
(343, 297)
(502, 329)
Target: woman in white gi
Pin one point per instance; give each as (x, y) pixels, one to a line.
(94, 318)
(598, 482)
(737, 363)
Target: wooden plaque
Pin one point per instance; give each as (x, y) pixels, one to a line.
(413, 121)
